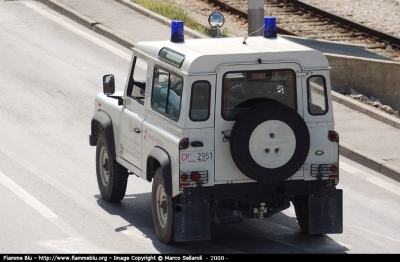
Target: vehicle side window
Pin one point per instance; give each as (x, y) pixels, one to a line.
(317, 100)
(167, 93)
(200, 101)
(137, 83)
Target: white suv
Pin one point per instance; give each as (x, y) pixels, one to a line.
(219, 124)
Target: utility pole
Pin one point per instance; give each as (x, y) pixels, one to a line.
(255, 16)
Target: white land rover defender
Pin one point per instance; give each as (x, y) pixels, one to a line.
(222, 124)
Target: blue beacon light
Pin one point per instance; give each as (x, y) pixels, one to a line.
(177, 32)
(270, 27)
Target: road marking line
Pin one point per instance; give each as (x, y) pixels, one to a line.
(78, 31)
(370, 178)
(29, 199)
(348, 167)
(50, 215)
(386, 185)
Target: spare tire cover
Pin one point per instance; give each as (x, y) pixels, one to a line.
(269, 142)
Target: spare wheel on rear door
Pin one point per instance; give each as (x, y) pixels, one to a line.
(269, 142)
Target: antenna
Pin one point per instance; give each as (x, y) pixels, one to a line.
(269, 28)
(245, 38)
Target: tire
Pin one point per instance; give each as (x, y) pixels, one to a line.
(300, 204)
(162, 207)
(112, 178)
(269, 142)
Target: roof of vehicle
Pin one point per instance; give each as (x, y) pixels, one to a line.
(204, 56)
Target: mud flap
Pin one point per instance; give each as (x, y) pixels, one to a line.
(326, 212)
(193, 222)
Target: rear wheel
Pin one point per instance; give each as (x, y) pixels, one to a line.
(112, 178)
(162, 209)
(300, 204)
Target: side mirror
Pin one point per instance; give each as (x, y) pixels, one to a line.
(108, 84)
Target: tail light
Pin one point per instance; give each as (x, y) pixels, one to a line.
(334, 169)
(324, 170)
(184, 177)
(333, 136)
(193, 178)
(184, 143)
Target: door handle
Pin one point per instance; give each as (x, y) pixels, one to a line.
(136, 130)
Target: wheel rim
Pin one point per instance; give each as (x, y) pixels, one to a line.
(272, 144)
(162, 207)
(104, 166)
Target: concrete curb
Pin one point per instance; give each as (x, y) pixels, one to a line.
(345, 149)
(105, 31)
(356, 154)
(370, 161)
(366, 109)
(89, 23)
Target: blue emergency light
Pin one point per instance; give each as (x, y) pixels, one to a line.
(177, 32)
(270, 27)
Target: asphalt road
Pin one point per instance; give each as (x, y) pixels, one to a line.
(50, 71)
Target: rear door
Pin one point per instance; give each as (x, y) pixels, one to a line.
(236, 86)
(199, 126)
(318, 114)
(316, 98)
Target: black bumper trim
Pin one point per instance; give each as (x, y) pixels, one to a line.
(250, 192)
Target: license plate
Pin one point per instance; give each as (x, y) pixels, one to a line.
(199, 156)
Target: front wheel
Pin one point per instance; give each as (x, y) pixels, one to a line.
(112, 177)
(162, 209)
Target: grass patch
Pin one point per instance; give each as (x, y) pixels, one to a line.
(172, 11)
(168, 9)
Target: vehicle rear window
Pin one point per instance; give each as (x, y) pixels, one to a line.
(200, 101)
(317, 100)
(242, 90)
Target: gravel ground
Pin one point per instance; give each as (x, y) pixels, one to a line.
(380, 14)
